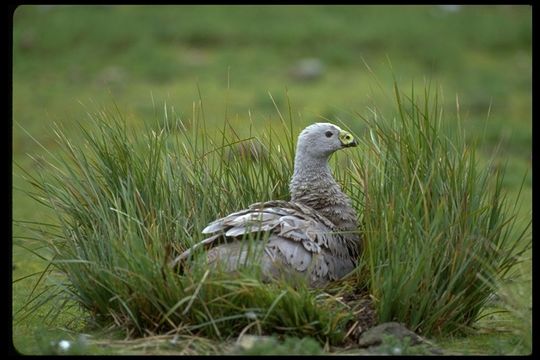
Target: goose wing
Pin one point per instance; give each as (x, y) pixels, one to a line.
(298, 237)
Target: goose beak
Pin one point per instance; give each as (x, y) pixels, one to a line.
(347, 140)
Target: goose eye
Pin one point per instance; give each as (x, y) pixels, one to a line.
(329, 134)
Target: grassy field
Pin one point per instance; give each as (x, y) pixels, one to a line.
(70, 60)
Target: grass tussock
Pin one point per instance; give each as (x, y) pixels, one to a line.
(440, 234)
(128, 202)
(438, 231)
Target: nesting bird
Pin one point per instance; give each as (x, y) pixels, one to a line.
(313, 236)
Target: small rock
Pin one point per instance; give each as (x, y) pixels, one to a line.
(308, 69)
(374, 336)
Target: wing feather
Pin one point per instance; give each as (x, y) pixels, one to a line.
(298, 237)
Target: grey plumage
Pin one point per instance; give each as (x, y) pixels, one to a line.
(315, 235)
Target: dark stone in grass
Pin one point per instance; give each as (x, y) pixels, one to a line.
(374, 336)
(377, 337)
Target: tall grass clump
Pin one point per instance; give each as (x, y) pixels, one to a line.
(439, 233)
(128, 200)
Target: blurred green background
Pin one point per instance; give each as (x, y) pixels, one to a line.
(330, 61)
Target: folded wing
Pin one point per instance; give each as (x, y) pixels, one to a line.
(297, 239)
